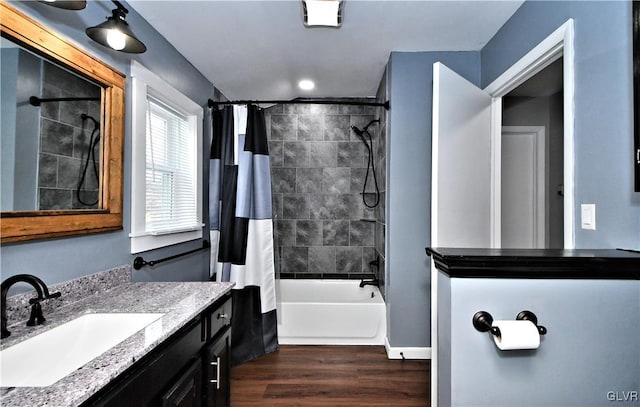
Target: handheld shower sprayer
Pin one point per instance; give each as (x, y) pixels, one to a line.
(357, 131)
(94, 140)
(370, 162)
(360, 134)
(365, 129)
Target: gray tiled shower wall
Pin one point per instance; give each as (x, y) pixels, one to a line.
(318, 167)
(64, 141)
(380, 157)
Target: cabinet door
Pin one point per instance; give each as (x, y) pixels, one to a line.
(217, 371)
(146, 383)
(186, 392)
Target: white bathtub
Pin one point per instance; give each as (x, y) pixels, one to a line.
(329, 312)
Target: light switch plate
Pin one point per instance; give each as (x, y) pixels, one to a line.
(588, 212)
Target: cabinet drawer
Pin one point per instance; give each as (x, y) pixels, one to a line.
(220, 318)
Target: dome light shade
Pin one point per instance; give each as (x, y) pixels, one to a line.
(116, 34)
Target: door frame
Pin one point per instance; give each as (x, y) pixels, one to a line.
(558, 44)
(540, 184)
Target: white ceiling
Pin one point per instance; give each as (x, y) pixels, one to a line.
(260, 49)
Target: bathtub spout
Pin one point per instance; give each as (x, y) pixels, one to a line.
(373, 282)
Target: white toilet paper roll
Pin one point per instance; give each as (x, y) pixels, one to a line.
(516, 335)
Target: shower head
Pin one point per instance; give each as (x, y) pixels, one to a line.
(357, 131)
(360, 134)
(365, 129)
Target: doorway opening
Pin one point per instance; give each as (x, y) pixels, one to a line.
(556, 53)
(532, 197)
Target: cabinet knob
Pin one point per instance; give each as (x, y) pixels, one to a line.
(223, 316)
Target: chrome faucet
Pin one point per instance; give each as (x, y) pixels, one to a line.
(41, 288)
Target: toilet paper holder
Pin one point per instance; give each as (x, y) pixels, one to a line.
(483, 321)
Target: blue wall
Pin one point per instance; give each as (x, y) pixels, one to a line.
(591, 347)
(62, 259)
(576, 363)
(408, 285)
(603, 106)
(604, 144)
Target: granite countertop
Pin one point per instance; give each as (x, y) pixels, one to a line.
(180, 302)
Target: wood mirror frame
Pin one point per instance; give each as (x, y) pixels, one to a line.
(28, 225)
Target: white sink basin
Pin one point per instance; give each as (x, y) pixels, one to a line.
(44, 359)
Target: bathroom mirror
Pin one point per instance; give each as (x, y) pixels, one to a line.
(50, 135)
(62, 135)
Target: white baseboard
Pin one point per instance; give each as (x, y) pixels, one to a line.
(406, 352)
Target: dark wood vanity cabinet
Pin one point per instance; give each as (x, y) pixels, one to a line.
(217, 371)
(191, 368)
(187, 391)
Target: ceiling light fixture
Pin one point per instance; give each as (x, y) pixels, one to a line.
(323, 13)
(115, 32)
(306, 84)
(66, 4)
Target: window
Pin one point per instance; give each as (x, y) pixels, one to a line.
(166, 204)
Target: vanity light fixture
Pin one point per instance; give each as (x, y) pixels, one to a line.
(66, 4)
(115, 32)
(323, 13)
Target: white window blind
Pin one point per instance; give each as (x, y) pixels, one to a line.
(166, 161)
(170, 172)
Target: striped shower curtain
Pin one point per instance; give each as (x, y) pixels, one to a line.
(242, 228)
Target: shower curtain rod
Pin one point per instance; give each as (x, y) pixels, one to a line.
(36, 101)
(211, 103)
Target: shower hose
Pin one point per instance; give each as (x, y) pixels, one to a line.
(368, 142)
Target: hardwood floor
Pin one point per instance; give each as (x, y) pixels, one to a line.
(330, 376)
